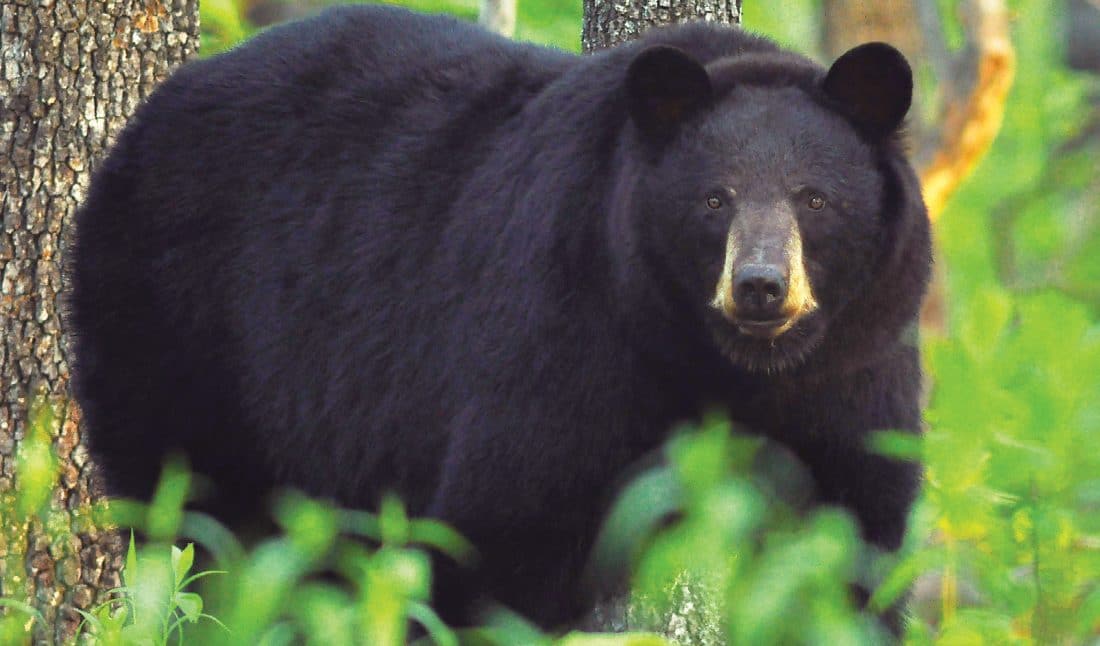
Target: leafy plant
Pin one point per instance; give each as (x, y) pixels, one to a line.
(152, 606)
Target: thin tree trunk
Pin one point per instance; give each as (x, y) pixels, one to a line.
(71, 73)
(848, 23)
(608, 23)
(498, 16)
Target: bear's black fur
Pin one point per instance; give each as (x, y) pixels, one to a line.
(379, 251)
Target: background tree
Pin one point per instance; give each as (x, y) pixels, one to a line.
(610, 23)
(72, 72)
(498, 16)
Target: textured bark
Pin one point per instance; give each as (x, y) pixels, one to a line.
(71, 72)
(609, 22)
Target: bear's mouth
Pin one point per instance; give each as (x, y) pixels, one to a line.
(768, 345)
(766, 329)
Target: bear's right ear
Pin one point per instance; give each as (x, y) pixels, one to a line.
(664, 86)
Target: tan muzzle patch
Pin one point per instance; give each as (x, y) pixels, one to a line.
(723, 295)
(799, 300)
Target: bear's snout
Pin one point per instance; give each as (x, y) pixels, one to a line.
(763, 288)
(759, 291)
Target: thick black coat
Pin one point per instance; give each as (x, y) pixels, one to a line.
(379, 251)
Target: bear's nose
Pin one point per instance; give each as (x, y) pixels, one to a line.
(759, 292)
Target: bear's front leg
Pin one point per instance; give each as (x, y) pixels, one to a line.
(831, 433)
(879, 491)
(530, 503)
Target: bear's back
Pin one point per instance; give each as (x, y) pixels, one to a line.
(260, 204)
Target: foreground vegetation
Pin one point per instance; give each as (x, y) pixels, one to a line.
(333, 576)
(1004, 546)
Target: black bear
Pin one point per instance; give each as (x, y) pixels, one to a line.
(375, 251)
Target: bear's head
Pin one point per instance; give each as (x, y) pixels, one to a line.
(769, 201)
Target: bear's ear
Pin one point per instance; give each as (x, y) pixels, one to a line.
(872, 85)
(664, 86)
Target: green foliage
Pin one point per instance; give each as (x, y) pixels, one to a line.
(741, 555)
(28, 504)
(328, 576)
(152, 606)
(1011, 455)
(223, 25)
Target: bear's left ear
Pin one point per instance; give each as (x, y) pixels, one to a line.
(872, 85)
(664, 86)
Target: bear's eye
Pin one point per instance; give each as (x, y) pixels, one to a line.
(713, 202)
(816, 202)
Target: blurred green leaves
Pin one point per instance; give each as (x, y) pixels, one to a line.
(36, 466)
(1011, 456)
(223, 25)
(731, 548)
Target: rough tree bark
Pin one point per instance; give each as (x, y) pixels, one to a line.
(609, 22)
(71, 72)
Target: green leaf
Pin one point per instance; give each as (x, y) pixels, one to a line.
(439, 632)
(433, 533)
(310, 524)
(199, 575)
(181, 562)
(166, 510)
(362, 523)
(639, 511)
(408, 571)
(24, 608)
(131, 571)
(190, 604)
(222, 25)
(900, 445)
(36, 466)
(136, 635)
(393, 522)
(92, 620)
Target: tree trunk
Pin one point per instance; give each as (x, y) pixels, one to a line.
(498, 16)
(71, 73)
(608, 23)
(848, 23)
